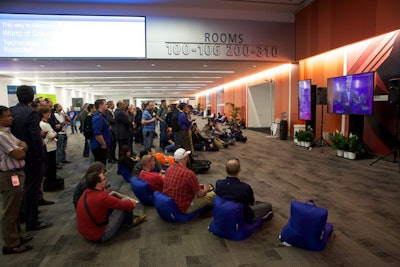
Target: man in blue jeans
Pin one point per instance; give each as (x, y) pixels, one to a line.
(149, 126)
(231, 188)
(95, 221)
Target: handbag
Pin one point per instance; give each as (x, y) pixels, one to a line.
(199, 165)
(307, 227)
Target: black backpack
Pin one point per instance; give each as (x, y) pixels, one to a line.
(174, 120)
(87, 127)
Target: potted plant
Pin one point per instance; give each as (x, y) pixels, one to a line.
(301, 137)
(308, 136)
(235, 111)
(355, 146)
(338, 142)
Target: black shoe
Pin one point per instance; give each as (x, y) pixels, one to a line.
(59, 167)
(16, 250)
(43, 202)
(66, 161)
(52, 188)
(26, 239)
(40, 226)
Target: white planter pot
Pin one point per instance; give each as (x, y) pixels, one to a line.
(307, 144)
(295, 140)
(352, 155)
(303, 143)
(346, 154)
(339, 153)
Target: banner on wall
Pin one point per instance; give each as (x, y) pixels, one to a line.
(12, 94)
(51, 96)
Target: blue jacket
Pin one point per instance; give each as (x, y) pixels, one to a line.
(183, 121)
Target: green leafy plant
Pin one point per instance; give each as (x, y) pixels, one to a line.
(301, 135)
(309, 134)
(235, 111)
(198, 107)
(338, 140)
(355, 145)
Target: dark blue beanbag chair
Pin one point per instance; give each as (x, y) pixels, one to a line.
(168, 210)
(124, 172)
(228, 220)
(307, 227)
(142, 191)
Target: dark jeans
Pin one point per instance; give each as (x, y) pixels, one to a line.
(51, 169)
(122, 142)
(100, 154)
(163, 131)
(33, 172)
(86, 148)
(113, 147)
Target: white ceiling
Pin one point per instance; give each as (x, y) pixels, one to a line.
(147, 78)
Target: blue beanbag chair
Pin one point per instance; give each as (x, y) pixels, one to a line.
(307, 227)
(142, 191)
(168, 210)
(228, 220)
(126, 174)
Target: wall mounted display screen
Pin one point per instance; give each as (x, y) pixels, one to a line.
(351, 94)
(72, 36)
(304, 92)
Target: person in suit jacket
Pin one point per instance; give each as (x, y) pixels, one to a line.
(123, 126)
(25, 127)
(349, 98)
(111, 120)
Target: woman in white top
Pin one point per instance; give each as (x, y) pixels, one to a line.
(50, 141)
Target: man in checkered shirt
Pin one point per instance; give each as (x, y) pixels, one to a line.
(182, 185)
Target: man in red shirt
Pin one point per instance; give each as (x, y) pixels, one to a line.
(154, 179)
(94, 224)
(182, 185)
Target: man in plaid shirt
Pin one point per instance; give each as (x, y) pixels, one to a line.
(182, 185)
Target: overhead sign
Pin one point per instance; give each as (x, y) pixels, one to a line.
(180, 38)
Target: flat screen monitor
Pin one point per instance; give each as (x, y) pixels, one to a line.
(304, 92)
(351, 94)
(72, 36)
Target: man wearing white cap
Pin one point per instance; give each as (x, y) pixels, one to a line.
(182, 185)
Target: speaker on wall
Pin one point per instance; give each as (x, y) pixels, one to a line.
(322, 96)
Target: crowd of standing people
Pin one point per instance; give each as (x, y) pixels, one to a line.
(33, 146)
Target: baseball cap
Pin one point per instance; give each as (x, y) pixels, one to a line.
(180, 153)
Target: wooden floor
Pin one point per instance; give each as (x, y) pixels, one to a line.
(363, 203)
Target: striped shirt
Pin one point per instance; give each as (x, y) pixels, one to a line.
(8, 143)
